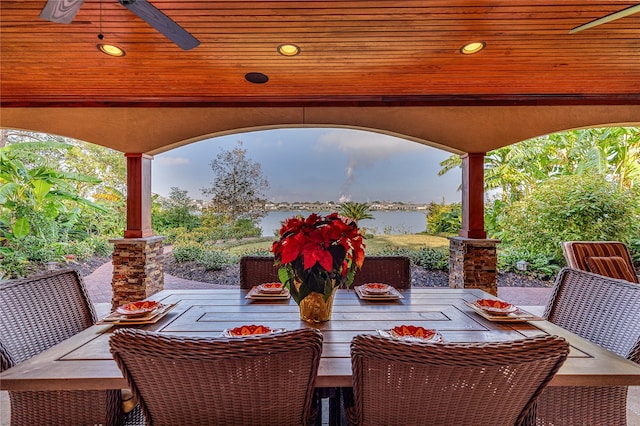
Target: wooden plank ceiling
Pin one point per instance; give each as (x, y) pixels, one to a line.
(355, 52)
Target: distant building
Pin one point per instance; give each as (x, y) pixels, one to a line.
(331, 205)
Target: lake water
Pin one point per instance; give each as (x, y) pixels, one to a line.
(384, 222)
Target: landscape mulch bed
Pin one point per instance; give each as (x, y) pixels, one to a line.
(229, 274)
(420, 277)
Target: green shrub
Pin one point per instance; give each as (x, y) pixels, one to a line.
(569, 208)
(101, 246)
(82, 250)
(212, 231)
(634, 249)
(13, 265)
(183, 236)
(187, 252)
(211, 259)
(36, 249)
(215, 260)
(430, 258)
(199, 235)
(244, 227)
(265, 252)
(538, 265)
(389, 250)
(444, 219)
(426, 257)
(493, 214)
(175, 235)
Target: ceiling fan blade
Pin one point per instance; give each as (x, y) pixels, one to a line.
(61, 11)
(161, 22)
(608, 18)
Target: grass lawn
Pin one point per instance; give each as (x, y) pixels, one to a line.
(374, 244)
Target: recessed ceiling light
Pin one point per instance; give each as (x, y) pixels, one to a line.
(288, 49)
(111, 50)
(474, 47)
(256, 77)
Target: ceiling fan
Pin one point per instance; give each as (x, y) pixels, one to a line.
(63, 11)
(608, 18)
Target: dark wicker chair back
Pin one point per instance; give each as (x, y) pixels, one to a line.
(37, 313)
(227, 381)
(392, 270)
(605, 311)
(256, 270)
(50, 308)
(457, 384)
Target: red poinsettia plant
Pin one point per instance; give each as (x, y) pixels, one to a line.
(318, 253)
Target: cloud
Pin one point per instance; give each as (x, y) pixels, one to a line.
(365, 148)
(172, 161)
(362, 149)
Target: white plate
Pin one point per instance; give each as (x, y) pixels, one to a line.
(436, 338)
(148, 318)
(256, 294)
(504, 309)
(272, 288)
(251, 330)
(138, 308)
(393, 294)
(519, 315)
(376, 288)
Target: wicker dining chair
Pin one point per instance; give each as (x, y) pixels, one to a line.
(392, 270)
(605, 311)
(608, 258)
(400, 383)
(256, 270)
(255, 380)
(35, 314)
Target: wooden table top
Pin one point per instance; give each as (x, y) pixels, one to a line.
(84, 361)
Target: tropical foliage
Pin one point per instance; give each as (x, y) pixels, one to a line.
(355, 211)
(569, 208)
(43, 213)
(576, 185)
(515, 170)
(444, 218)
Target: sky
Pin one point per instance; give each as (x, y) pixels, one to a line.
(323, 164)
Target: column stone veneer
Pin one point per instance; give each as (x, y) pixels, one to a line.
(138, 269)
(473, 264)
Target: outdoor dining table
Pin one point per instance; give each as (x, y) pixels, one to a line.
(84, 360)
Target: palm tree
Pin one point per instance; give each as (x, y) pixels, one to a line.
(355, 211)
(517, 169)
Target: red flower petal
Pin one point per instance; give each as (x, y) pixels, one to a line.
(291, 249)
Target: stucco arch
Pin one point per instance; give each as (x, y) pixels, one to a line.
(457, 129)
(305, 126)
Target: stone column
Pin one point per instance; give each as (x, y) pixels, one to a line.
(138, 269)
(473, 263)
